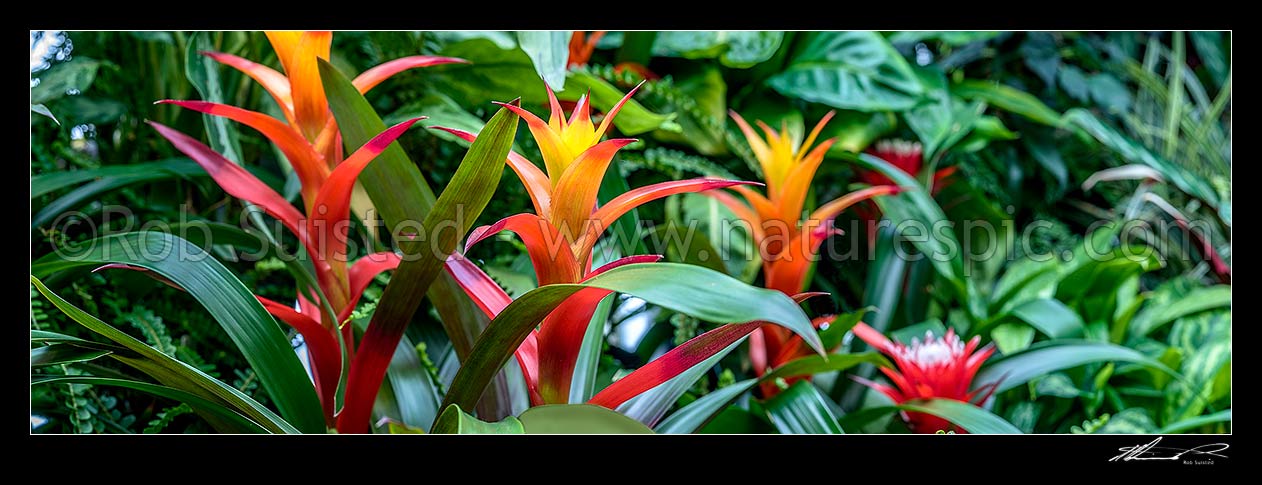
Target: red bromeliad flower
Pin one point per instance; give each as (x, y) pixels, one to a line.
(787, 242)
(310, 139)
(907, 156)
(931, 368)
(562, 233)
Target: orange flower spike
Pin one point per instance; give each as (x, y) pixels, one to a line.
(298, 52)
(562, 141)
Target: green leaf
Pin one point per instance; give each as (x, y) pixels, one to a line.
(703, 106)
(415, 392)
(1051, 317)
(455, 421)
(802, 409)
(468, 193)
(1198, 300)
(1015, 370)
(1011, 337)
(695, 415)
(107, 178)
(1134, 152)
(40, 109)
(578, 419)
(239, 423)
(166, 369)
(852, 70)
(1110, 93)
(1209, 47)
(439, 110)
(817, 364)
(401, 195)
(706, 294)
(495, 71)
(1197, 422)
(985, 130)
(855, 130)
(973, 419)
(915, 203)
(250, 327)
(651, 405)
(549, 50)
(84, 109)
(739, 49)
(1074, 82)
(632, 119)
(64, 354)
(75, 74)
(587, 365)
(1008, 99)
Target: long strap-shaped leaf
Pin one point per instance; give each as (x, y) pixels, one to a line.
(469, 192)
(239, 422)
(693, 290)
(250, 327)
(163, 368)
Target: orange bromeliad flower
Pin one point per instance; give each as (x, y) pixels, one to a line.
(787, 242)
(308, 136)
(930, 368)
(562, 233)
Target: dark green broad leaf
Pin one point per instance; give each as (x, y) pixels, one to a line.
(549, 50)
(857, 70)
(1051, 317)
(578, 419)
(163, 368)
(1008, 99)
(706, 294)
(455, 421)
(739, 49)
(81, 109)
(497, 71)
(1052, 356)
(439, 110)
(76, 74)
(802, 409)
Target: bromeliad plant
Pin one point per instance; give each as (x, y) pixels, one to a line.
(310, 139)
(323, 235)
(560, 237)
(787, 241)
(936, 367)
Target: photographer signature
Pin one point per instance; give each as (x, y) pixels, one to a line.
(1151, 451)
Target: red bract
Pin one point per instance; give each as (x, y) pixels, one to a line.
(936, 367)
(786, 241)
(907, 156)
(561, 234)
